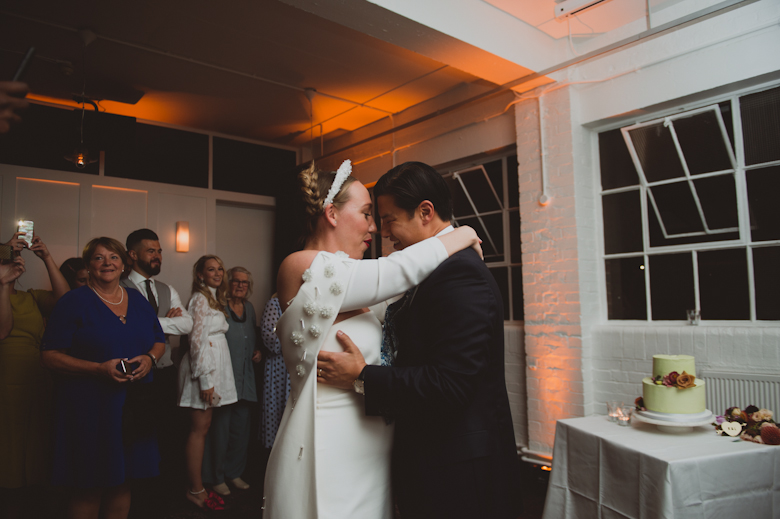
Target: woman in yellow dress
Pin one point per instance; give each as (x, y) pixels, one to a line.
(25, 386)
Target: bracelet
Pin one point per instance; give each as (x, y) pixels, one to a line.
(154, 360)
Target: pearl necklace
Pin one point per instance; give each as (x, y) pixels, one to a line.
(106, 300)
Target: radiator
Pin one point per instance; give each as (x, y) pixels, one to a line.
(726, 390)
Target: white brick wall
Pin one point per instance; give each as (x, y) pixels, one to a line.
(551, 283)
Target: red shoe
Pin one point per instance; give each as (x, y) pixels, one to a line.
(216, 498)
(212, 504)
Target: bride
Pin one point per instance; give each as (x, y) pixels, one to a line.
(329, 460)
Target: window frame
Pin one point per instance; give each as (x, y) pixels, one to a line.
(744, 241)
(459, 168)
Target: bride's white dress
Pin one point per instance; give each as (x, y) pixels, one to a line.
(330, 460)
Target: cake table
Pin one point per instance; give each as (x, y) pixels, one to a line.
(603, 470)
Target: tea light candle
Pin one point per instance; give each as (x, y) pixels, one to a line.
(624, 416)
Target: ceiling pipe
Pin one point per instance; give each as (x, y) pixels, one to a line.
(696, 17)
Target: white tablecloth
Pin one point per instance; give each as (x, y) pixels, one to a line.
(601, 470)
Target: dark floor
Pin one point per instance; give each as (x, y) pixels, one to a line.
(246, 504)
(157, 499)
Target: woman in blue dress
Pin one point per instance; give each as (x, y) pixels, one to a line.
(91, 329)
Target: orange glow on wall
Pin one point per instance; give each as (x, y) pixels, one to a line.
(182, 236)
(49, 181)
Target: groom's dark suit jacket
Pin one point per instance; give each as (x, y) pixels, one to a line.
(454, 452)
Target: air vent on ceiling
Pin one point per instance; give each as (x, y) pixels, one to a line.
(568, 8)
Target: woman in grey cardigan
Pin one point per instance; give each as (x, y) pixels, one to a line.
(226, 447)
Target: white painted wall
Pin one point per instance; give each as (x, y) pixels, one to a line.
(671, 72)
(69, 209)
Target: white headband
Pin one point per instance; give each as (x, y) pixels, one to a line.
(341, 175)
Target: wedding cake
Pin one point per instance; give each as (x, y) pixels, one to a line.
(674, 388)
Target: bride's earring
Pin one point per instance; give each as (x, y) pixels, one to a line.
(202, 283)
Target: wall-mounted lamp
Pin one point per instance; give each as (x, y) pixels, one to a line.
(182, 236)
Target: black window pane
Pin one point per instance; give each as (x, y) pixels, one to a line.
(671, 286)
(495, 171)
(45, 135)
(164, 155)
(718, 198)
(622, 222)
(676, 207)
(479, 189)
(657, 238)
(245, 167)
(518, 309)
(761, 126)
(491, 230)
(657, 153)
(767, 282)
(702, 143)
(501, 276)
(513, 181)
(460, 203)
(723, 285)
(617, 168)
(763, 187)
(516, 249)
(626, 288)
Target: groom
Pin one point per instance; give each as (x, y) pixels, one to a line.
(454, 452)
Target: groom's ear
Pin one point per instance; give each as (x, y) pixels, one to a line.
(426, 211)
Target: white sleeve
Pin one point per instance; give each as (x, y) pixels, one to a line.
(374, 281)
(181, 325)
(202, 361)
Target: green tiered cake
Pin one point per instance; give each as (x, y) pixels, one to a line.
(674, 388)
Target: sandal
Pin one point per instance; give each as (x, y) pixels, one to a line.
(216, 498)
(212, 504)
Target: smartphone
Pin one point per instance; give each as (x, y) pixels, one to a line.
(26, 226)
(124, 367)
(23, 65)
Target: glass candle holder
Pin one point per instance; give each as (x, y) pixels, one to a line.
(613, 408)
(624, 415)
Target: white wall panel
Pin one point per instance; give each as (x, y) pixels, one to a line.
(116, 212)
(54, 207)
(177, 266)
(245, 238)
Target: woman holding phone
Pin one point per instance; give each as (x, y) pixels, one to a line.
(25, 408)
(101, 340)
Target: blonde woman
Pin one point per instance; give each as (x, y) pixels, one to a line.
(206, 373)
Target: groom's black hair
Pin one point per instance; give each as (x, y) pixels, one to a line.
(413, 182)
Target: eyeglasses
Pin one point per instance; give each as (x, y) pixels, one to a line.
(240, 283)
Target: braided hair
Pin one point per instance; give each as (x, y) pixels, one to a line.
(314, 186)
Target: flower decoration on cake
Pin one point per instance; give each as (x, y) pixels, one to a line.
(639, 403)
(757, 424)
(674, 379)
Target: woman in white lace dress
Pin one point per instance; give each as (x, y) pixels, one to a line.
(329, 460)
(206, 373)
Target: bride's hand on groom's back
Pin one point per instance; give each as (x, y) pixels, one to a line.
(340, 368)
(461, 238)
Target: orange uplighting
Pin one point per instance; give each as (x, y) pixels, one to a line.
(49, 181)
(120, 189)
(182, 236)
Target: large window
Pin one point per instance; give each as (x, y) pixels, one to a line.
(485, 196)
(691, 214)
